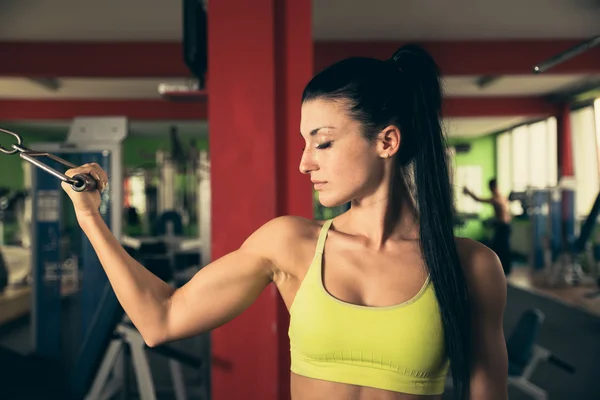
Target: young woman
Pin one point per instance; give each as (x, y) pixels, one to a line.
(383, 299)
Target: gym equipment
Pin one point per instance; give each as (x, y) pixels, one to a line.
(540, 224)
(524, 355)
(537, 223)
(35, 377)
(77, 276)
(179, 170)
(174, 189)
(521, 197)
(594, 260)
(555, 247)
(565, 267)
(173, 201)
(64, 263)
(128, 340)
(12, 213)
(3, 273)
(65, 268)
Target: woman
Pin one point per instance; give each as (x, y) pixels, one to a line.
(382, 298)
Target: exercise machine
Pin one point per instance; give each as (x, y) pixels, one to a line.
(556, 249)
(3, 273)
(171, 205)
(525, 355)
(66, 268)
(532, 229)
(563, 259)
(113, 378)
(64, 263)
(97, 371)
(12, 213)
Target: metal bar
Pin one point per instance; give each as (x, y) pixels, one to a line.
(52, 171)
(561, 364)
(79, 182)
(566, 55)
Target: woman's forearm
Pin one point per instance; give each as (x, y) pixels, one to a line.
(144, 296)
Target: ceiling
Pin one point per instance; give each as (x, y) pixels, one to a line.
(114, 20)
(456, 19)
(470, 127)
(159, 20)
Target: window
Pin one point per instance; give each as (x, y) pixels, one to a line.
(520, 153)
(542, 155)
(526, 157)
(585, 157)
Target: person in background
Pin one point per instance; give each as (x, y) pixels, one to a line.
(501, 239)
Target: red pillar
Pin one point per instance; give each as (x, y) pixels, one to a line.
(566, 170)
(565, 147)
(260, 58)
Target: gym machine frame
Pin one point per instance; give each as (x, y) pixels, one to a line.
(48, 267)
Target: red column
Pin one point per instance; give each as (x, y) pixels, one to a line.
(260, 58)
(566, 170)
(565, 147)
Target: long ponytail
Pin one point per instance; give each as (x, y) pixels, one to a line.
(434, 202)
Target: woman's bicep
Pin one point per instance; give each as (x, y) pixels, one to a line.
(217, 293)
(225, 288)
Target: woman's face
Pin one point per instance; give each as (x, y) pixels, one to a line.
(343, 165)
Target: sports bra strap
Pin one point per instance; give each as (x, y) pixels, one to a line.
(323, 236)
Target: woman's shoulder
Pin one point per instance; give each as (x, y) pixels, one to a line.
(290, 227)
(285, 234)
(287, 241)
(483, 271)
(472, 250)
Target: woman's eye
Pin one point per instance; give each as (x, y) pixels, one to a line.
(324, 146)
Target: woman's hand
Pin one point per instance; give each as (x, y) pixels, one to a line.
(87, 203)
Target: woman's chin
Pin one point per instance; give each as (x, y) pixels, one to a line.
(326, 200)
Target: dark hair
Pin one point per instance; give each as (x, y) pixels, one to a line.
(405, 91)
(493, 184)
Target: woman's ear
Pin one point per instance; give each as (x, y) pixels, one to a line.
(388, 141)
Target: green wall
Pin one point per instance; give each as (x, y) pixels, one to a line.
(138, 151)
(482, 153)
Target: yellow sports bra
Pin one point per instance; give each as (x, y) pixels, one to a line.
(398, 348)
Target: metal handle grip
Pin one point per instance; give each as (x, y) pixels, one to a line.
(79, 182)
(84, 183)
